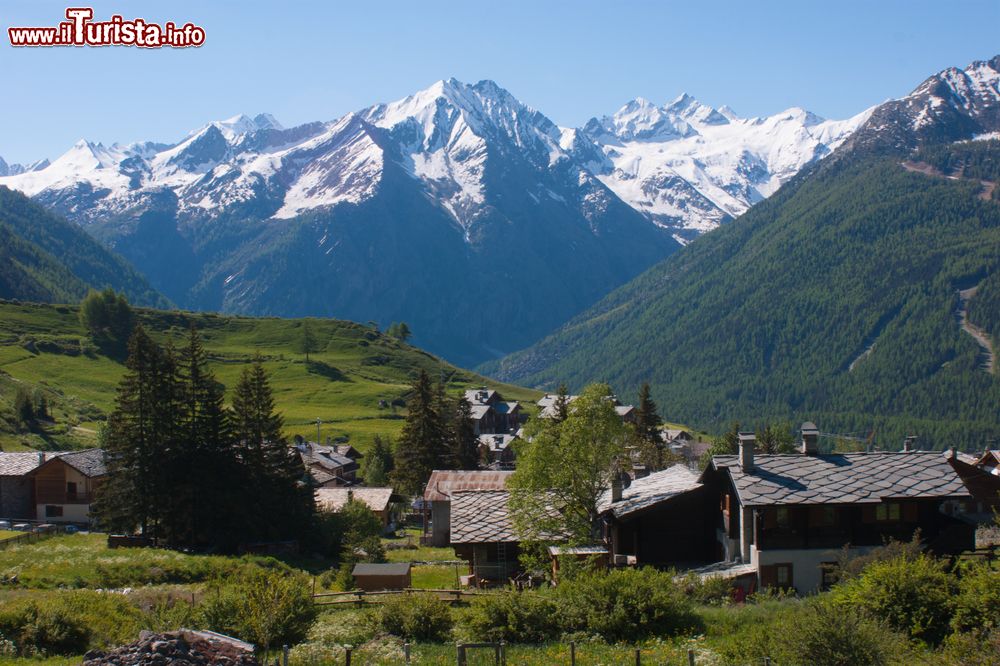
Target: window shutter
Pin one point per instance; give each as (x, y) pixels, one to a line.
(770, 518)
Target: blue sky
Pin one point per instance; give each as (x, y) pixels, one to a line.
(306, 61)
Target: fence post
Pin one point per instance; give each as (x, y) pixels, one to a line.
(347, 654)
(638, 657)
(284, 655)
(690, 657)
(767, 661)
(460, 654)
(572, 653)
(406, 652)
(503, 653)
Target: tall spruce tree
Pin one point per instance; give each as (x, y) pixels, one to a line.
(650, 444)
(379, 462)
(560, 408)
(421, 447)
(140, 436)
(280, 504)
(464, 443)
(204, 462)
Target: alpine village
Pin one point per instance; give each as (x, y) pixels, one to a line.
(756, 426)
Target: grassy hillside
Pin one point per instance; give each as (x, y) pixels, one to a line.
(44, 348)
(836, 300)
(45, 258)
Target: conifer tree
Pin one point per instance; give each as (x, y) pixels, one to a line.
(464, 443)
(647, 428)
(560, 408)
(139, 437)
(280, 505)
(379, 462)
(421, 447)
(204, 462)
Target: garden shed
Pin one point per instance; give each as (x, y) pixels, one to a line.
(389, 576)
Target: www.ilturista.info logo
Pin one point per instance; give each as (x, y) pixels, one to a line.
(81, 30)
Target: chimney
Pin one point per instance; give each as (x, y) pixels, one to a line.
(810, 439)
(747, 443)
(908, 444)
(41, 458)
(616, 488)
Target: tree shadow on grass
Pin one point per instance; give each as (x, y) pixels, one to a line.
(326, 370)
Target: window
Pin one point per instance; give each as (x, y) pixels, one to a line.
(888, 512)
(783, 574)
(783, 517)
(53, 511)
(828, 571)
(823, 516)
(71, 489)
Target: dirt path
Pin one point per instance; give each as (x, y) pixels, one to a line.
(986, 194)
(988, 362)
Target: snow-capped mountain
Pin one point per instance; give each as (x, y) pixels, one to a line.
(953, 105)
(689, 167)
(455, 209)
(17, 169)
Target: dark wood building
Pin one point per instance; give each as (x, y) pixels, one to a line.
(791, 515)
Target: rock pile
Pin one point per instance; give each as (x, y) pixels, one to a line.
(177, 648)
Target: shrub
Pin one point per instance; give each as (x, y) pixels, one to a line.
(850, 565)
(912, 594)
(625, 605)
(421, 617)
(822, 634)
(518, 617)
(975, 648)
(39, 628)
(711, 591)
(977, 605)
(264, 607)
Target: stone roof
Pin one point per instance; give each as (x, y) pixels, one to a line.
(479, 411)
(498, 442)
(89, 462)
(384, 569)
(480, 396)
(845, 478)
(443, 483)
(334, 499)
(651, 490)
(481, 516)
(19, 463)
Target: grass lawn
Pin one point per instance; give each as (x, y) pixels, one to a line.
(437, 576)
(85, 561)
(44, 348)
(9, 534)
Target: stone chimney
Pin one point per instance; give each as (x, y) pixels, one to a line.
(616, 488)
(909, 444)
(810, 439)
(748, 441)
(41, 458)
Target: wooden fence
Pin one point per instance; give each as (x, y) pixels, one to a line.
(361, 597)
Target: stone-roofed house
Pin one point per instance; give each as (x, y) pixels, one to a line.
(661, 519)
(438, 496)
(491, 414)
(17, 491)
(326, 466)
(790, 515)
(496, 451)
(547, 405)
(379, 500)
(65, 484)
(482, 533)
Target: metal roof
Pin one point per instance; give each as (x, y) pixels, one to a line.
(651, 490)
(386, 569)
(443, 483)
(844, 478)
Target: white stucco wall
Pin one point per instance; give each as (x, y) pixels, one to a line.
(72, 513)
(807, 574)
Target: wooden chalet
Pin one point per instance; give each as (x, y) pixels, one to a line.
(792, 515)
